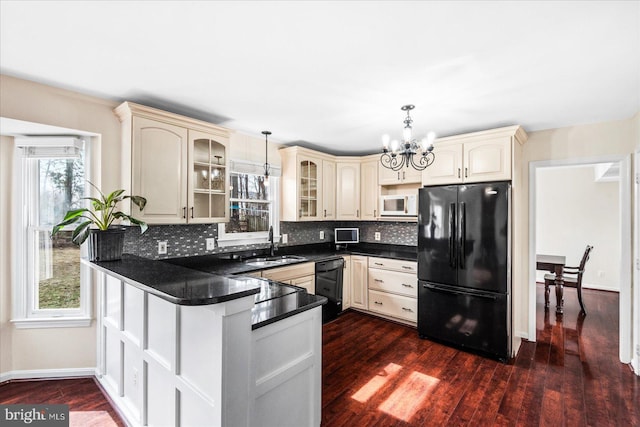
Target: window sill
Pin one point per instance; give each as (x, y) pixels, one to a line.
(52, 322)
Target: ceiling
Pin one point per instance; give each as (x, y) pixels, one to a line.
(333, 75)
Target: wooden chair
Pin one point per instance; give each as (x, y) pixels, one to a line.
(572, 278)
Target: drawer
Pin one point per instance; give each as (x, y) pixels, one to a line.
(393, 305)
(290, 272)
(393, 281)
(394, 264)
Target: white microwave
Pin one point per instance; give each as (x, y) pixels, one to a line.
(399, 205)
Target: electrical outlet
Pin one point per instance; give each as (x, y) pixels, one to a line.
(638, 350)
(134, 378)
(322, 235)
(162, 247)
(285, 239)
(377, 235)
(600, 273)
(211, 243)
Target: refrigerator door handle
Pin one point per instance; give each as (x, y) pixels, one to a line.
(452, 234)
(463, 234)
(451, 291)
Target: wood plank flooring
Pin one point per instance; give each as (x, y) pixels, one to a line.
(378, 373)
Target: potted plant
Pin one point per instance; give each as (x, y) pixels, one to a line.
(105, 241)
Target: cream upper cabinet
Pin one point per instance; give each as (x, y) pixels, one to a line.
(369, 190)
(406, 175)
(301, 185)
(328, 196)
(348, 190)
(475, 157)
(359, 276)
(180, 165)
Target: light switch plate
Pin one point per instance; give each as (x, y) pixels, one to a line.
(285, 239)
(162, 247)
(321, 235)
(377, 235)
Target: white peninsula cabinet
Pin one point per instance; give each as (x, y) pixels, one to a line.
(180, 165)
(474, 157)
(166, 364)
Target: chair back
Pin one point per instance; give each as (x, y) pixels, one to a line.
(585, 258)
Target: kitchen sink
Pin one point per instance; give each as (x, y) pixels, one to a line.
(275, 260)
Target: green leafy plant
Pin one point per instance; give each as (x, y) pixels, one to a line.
(101, 215)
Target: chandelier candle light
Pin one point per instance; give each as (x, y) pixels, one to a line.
(411, 152)
(267, 167)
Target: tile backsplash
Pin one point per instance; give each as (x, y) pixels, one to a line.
(189, 240)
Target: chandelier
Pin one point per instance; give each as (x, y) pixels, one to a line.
(409, 152)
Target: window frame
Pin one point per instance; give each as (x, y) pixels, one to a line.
(25, 315)
(254, 237)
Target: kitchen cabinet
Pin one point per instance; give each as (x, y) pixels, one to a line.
(346, 283)
(369, 190)
(406, 175)
(359, 282)
(348, 190)
(393, 288)
(302, 180)
(328, 196)
(475, 157)
(180, 165)
(302, 275)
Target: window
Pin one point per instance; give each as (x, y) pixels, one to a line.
(252, 206)
(52, 285)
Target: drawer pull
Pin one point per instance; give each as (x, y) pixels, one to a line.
(407, 286)
(407, 267)
(379, 280)
(407, 309)
(377, 302)
(378, 263)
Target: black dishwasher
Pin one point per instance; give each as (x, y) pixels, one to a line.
(329, 284)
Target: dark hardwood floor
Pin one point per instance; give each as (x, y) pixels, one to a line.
(88, 407)
(378, 373)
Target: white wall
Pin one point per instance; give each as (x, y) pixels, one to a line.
(573, 210)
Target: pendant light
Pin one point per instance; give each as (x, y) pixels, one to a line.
(267, 167)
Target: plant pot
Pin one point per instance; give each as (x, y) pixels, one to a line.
(106, 245)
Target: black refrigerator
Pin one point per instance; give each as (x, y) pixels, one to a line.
(464, 267)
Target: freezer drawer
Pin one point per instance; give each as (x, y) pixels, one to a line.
(473, 321)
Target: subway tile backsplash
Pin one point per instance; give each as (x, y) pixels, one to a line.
(189, 240)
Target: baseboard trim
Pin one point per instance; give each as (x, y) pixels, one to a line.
(40, 374)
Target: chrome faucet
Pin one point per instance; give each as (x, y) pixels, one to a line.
(271, 247)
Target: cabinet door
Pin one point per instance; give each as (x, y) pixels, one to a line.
(346, 283)
(359, 282)
(208, 179)
(369, 190)
(487, 160)
(410, 175)
(309, 188)
(328, 193)
(307, 282)
(387, 176)
(348, 191)
(447, 167)
(159, 161)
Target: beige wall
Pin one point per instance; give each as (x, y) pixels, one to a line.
(573, 210)
(575, 142)
(59, 348)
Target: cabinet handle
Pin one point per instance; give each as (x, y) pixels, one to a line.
(325, 213)
(398, 176)
(378, 263)
(407, 286)
(407, 309)
(377, 303)
(403, 177)
(357, 213)
(191, 211)
(458, 172)
(379, 280)
(375, 213)
(466, 172)
(407, 267)
(184, 212)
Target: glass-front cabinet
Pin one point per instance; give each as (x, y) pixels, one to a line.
(309, 182)
(208, 179)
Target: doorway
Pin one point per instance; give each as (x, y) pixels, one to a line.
(621, 272)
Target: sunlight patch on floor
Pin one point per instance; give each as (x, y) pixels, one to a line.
(376, 383)
(409, 396)
(91, 418)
